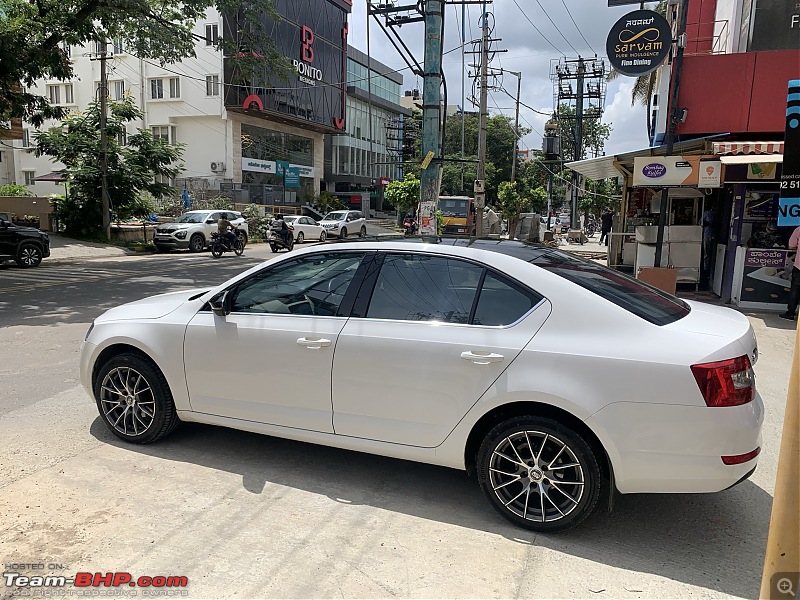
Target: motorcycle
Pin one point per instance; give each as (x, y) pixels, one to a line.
(277, 241)
(221, 244)
(590, 228)
(409, 226)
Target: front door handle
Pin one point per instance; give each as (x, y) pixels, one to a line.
(313, 343)
(482, 358)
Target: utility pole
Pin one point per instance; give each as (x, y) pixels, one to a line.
(518, 74)
(106, 208)
(480, 183)
(431, 116)
(578, 150)
(673, 117)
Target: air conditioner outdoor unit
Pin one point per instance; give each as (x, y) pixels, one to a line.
(217, 167)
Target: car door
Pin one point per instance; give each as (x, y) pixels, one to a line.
(210, 224)
(434, 334)
(8, 236)
(269, 360)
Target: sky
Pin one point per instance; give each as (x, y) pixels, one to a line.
(529, 52)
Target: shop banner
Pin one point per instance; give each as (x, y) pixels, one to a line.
(291, 177)
(761, 170)
(766, 276)
(789, 211)
(666, 171)
(639, 42)
(710, 174)
(258, 166)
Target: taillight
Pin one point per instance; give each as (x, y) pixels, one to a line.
(726, 382)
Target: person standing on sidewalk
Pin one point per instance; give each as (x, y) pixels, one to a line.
(605, 225)
(794, 291)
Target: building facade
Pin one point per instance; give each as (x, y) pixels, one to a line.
(359, 159)
(259, 134)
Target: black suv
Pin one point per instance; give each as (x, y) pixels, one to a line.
(26, 245)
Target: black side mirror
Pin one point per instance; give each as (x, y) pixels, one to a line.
(5, 224)
(221, 304)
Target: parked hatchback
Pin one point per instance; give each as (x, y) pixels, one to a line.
(342, 223)
(27, 246)
(555, 380)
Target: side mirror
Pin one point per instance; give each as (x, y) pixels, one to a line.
(221, 304)
(5, 224)
(210, 222)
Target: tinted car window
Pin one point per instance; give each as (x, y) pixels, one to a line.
(502, 302)
(313, 285)
(413, 287)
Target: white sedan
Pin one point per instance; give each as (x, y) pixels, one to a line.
(555, 380)
(305, 228)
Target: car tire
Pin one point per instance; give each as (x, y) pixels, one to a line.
(300, 237)
(343, 233)
(118, 396)
(322, 236)
(197, 243)
(533, 466)
(363, 232)
(29, 255)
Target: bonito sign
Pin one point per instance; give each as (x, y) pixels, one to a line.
(639, 42)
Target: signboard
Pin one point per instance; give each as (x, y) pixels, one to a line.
(789, 209)
(760, 206)
(709, 174)
(766, 276)
(427, 160)
(776, 26)
(384, 182)
(275, 167)
(639, 42)
(281, 166)
(666, 171)
(762, 170)
(291, 177)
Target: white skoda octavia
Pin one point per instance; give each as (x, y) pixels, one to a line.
(556, 380)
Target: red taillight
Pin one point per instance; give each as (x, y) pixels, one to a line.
(741, 458)
(727, 382)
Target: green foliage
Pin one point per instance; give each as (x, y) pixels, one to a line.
(31, 35)
(403, 193)
(595, 133)
(132, 169)
(326, 202)
(510, 201)
(439, 221)
(12, 189)
(258, 225)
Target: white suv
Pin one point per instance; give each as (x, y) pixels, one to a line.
(342, 223)
(193, 229)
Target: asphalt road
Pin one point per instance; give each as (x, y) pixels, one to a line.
(249, 516)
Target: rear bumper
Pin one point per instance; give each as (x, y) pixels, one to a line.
(662, 448)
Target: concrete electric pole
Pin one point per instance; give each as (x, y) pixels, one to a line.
(480, 179)
(103, 91)
(518, 75)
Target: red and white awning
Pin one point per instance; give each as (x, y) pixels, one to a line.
(723, 148)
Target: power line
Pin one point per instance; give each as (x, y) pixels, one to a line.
(556, 26)
(537, 29)
(578, 28)
(521, 103)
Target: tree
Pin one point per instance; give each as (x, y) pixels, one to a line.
(595, 133)
(327, 202)
(132, 169)
(511, 203)
(403, 193)
(32, 34)
(12, 189)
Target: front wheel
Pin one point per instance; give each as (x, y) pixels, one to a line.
(539, 474)
(196, 243)
(28, 256)
(300, 238)
(134, 400)
(363, 232)
(216, 249)
(343, 233)
(238, 247)
(273, 247)
(322, 236)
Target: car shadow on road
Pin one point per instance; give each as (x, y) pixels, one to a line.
(714, 541)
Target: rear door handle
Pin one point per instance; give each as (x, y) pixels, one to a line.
(313, 343)
(482, 358)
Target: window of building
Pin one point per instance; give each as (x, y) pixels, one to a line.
(174, 87)
(100, 47)
(26, 138)
(156, 89)
(212, 85)
(165, 132)
(122, 138)
(212, 35)
(68, 94)
(119, 47)
(29, 175)
(54, 93)
(119, 90)
(67, 49)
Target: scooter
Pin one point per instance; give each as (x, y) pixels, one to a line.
(409, 226)
(220, 244)
(277, 242)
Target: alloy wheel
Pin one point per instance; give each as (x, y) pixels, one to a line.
(536, 476)
(30, 256)
(127, 401)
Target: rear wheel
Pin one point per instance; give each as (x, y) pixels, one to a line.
(322, 236)
(363, 232)
(134, 399)
(29, 255)
(196, 243)
(539, 474)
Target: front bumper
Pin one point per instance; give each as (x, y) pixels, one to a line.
(666, 448)
(170, 242)
(87, 359)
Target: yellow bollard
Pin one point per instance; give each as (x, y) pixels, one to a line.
(782, 559)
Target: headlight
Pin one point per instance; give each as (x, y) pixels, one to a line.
(86, 337)
(181, 235)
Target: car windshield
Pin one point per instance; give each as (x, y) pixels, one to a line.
(453, 208)
(192, 218)
(334, 216)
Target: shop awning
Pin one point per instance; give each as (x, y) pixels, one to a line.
(728, 148)
(596, 169)
(746, 159)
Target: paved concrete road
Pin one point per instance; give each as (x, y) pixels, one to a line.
(249, 516)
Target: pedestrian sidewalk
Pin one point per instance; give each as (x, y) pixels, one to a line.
(63, 249)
